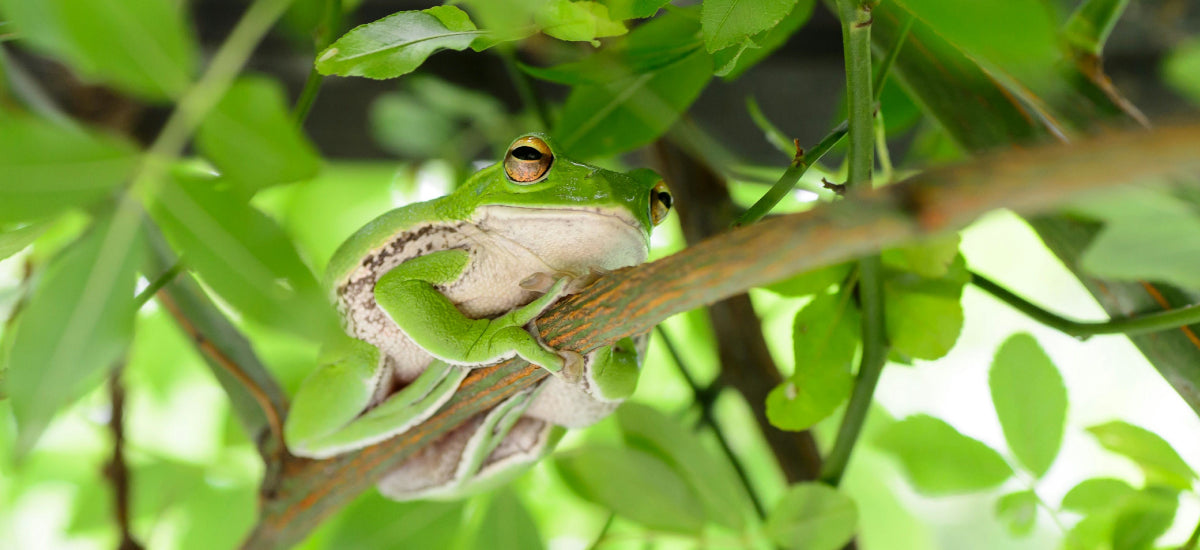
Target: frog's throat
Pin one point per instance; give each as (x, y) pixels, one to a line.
(612, 236)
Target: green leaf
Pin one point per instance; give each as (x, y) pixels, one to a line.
(16, 240)
(930, 259)
(1030, 400)
(1144, 516)
(1018, 512)
(731, 62)
(717, 486)
(1182, 69)
(507, 525)
(634, 9)
(76, 324)
(625, 112)
(1089, 26)
(576, 21)
(728, 22)
(1152, 453)
(251, 138)
(924, 316)
(1096, 495)
(373, 522)
(939, 460)
(825, 336)
(811, 282)
(46, 168)
(635, 485)
(243, 256)
(812, 516)
(397, 44)
(140, 46)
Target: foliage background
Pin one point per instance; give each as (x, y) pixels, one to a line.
(195, 472)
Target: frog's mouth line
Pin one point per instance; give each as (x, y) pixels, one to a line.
(505, 211)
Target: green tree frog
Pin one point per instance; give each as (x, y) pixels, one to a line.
(430, 290)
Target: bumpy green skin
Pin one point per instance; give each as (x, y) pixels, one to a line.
(327, 417)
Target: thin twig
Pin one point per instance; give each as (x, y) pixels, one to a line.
(331, 24)
(117, 471)
(156, 285)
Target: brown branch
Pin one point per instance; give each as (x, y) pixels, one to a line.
(631, 301)
(116, 470)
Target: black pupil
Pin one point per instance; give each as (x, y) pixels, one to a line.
(665, 198)
(526, 152)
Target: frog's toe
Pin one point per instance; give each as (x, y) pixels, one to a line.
(573, 364)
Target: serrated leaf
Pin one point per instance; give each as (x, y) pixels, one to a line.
(1152, 453)
(1096, 495)
(938, 460)
(243, 256)
(397, 44)
(811, 282)
(1030, 400)
(140, 46)
(825, 337)
(737, 59)
(626, 112)
(930, 259)
(924, 316)
(635, 485)
(720, 493)
(1018, 512)
(812, 516)
(46, 168)
(76, 324)
(251, 138)
(15, 240)
(728, 22)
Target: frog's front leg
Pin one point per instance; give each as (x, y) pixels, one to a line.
(610, 376)
(409, 296)
(327, 416)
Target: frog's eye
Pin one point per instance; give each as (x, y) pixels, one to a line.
(528, 160)
(660, 202)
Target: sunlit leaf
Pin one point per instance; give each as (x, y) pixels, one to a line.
(398, 43)
(1030, 400)
(731, 62)
(1096, 494)
(1143, 517)
(722, 496)
(46, 168)
(634, 9)
(728, 22)
(75, 326)
(576, 20)
(924, 316)
(374, 523)
(825, 337)
(15, 240)
(811, 282)
(635, 485)
(252, 139)
(1018, 512)
(812, 516)
(1152, 453)
(244, 256)
(930, 259)
(938, 460)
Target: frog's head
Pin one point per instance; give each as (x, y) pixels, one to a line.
(567, 211)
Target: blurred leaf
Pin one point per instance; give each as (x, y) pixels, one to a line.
(1144, 516)
(720, 492)
(811, 282)
(634, 9)
(576, 20)
(219, 516)
(635, 485)
(728, 22)
(731, 62)
(1181, 70)
(507, 525)
(632, 110)
(1089, 26)
(924, 316)
(140, 46)
(825, 337)
(1018, 512)
(397, 44)
(46, 168)
(812, 516)
(456, 123)
(1152, 453)
(930, 259)
(15, 240)
(1096, 494)
(75, 326)
(939, 460)
(1030, 400)
(243, 256)
(374, 523)
(253, 140)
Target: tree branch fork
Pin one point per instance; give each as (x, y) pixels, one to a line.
(633, 300)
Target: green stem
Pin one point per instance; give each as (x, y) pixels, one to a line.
(802, 161)
(331, 24)
(156, 285)
(308, 96)
(856, 38)
(1151, 322)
